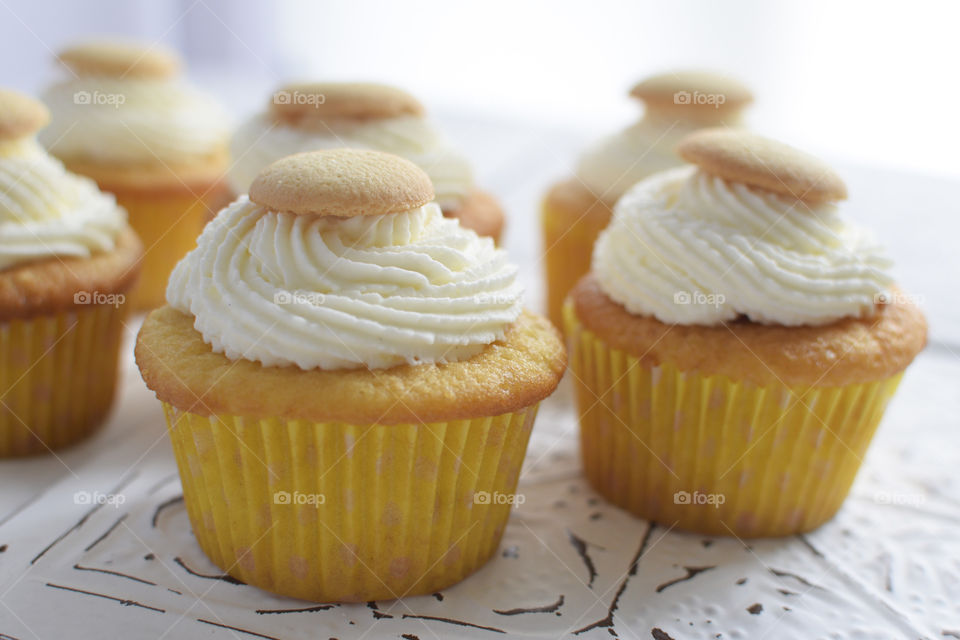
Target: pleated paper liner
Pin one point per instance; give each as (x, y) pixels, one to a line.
(168, 225)
(568, 239)
(713, 455)
(338, 512)
(57, 377)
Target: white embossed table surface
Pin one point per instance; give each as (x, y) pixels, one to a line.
(887, 566)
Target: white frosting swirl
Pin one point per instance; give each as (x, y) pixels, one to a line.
(690, 248)
(46, 211)
(341, 293)
(112, 120)
(621, 160)
(261, 141)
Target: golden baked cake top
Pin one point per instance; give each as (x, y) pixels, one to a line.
(184, 371)
(748, 158)
(309, 116)
(112, 58)
(343, 183)
(852, 350)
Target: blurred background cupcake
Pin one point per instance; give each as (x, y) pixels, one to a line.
(736, 342)
(358, 342)
(575, 210)
(67, 261)
(315, 116)
(124, 117)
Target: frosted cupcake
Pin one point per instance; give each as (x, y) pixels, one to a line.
(349, 381)
(575, 210)
(315, 116)
(124, 118)
(67, 260)
(736, 342)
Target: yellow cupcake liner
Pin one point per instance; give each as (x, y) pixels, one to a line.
(57, 377)
(709, 454)
(568, 239)
(168, 225)
(339, 512)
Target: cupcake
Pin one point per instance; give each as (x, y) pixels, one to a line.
(575, 210)
(316, 116)
(125, 119)
(349, 382)
(67, 260)
(736, 342)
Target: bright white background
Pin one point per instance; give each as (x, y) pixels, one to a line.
(872, 82)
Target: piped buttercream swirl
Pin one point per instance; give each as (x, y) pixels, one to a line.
(690, 248)
(339, 293)
(46, 211)
(114, 121)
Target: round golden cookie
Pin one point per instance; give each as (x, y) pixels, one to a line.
(307, 103)
(343, 183)
(739, 156)
(20, 115)
(698, 89)
(120, 59)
